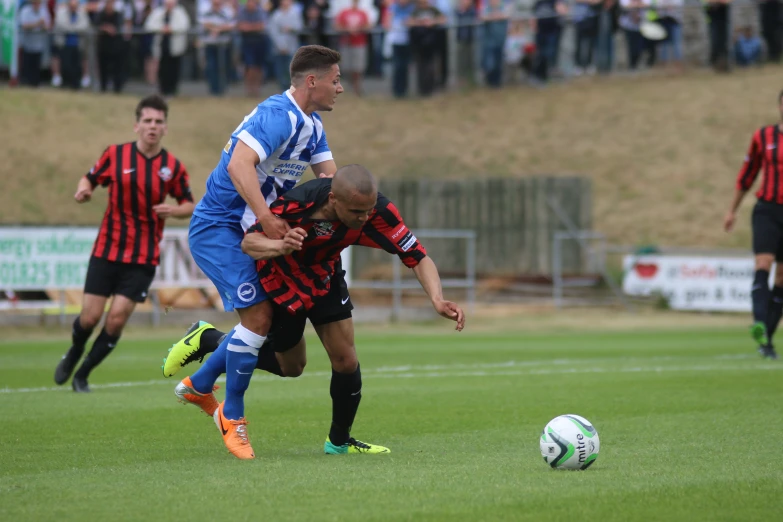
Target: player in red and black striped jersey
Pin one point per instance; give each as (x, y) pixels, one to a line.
(765, 155)
(139, 176)
(301, 274)
(295, 280)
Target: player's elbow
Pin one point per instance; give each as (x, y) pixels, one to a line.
(236, 168)
(185, 210)
(233, 171)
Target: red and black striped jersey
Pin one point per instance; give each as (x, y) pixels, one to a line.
(766, 155)
(293, 281)
(131, 231)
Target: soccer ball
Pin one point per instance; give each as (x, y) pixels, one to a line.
(569, 442)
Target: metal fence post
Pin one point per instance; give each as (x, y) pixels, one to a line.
(92, 61)
(451, 63)
(470, 268)
(62, 308)
(396, 291)
(557, 269)
(155, 298)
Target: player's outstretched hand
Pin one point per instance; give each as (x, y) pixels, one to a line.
(274, 227)
(83, 195)
(293, 240)
(163, 210)
(451, 311)
(728, 221)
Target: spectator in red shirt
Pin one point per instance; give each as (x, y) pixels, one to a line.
(355, 22)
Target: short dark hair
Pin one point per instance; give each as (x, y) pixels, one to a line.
(354, 177)
(153, 101)
(312, 58)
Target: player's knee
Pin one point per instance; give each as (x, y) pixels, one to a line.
(294, 370)
(764, 263)
(89, 320)
(115, 322)
(257, 318)
(779, 278)
(345, 363)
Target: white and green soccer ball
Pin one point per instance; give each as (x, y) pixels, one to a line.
(569, 442)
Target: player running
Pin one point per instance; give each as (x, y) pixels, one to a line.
(765, 154)
(139, 176)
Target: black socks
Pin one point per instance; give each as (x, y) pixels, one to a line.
(775, 311)
(102, 347)
(211, 339)
(79, 335)
(760, 294)
(346, 392)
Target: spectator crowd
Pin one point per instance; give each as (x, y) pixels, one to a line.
(252, 41)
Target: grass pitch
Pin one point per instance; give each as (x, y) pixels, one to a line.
(689, 424)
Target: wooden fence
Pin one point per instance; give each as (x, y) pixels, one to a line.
(513, 220)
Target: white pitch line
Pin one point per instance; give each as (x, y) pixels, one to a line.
(458, 370)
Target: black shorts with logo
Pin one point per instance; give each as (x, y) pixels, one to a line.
(107, 278)
(768, 229)
(287, 329)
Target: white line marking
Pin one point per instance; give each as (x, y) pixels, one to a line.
(457, 370)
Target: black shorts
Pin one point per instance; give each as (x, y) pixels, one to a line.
(768, 229)
(287, 329)
(108, 278)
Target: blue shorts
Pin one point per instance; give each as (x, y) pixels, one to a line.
(217, 249)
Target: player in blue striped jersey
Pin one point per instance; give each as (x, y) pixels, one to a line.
(267, 155)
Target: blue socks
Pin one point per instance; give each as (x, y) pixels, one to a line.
(204, 379)
(241, 358)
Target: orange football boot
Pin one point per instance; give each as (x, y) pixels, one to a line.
(186, 394)
(234, 435)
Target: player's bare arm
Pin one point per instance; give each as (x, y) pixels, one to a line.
(325, 169)
(259, 246)
(427, 274)
(242, 171)
(83, 190)
(181, 211)
(747, 175)
(731, 215)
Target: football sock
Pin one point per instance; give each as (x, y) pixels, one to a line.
(211, 339)
(204, 379)
(760, 294)
(267, 361)
(103, 346)
(79, 334)
(775, 311)
(346, 392)
(241, 359)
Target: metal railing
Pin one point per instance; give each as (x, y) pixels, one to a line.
(398, 284)
(695, 36)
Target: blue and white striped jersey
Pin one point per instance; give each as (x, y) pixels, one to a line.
(287, 141)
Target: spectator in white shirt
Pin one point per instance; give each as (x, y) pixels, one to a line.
(217, 26)
(71, 22)
(35, 22)
(170, 22)
(284, 27)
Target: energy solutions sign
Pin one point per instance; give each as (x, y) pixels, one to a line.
(692, 283)
(34, 259)
(51, 258)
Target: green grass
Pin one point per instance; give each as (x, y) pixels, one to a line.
(689, 424)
